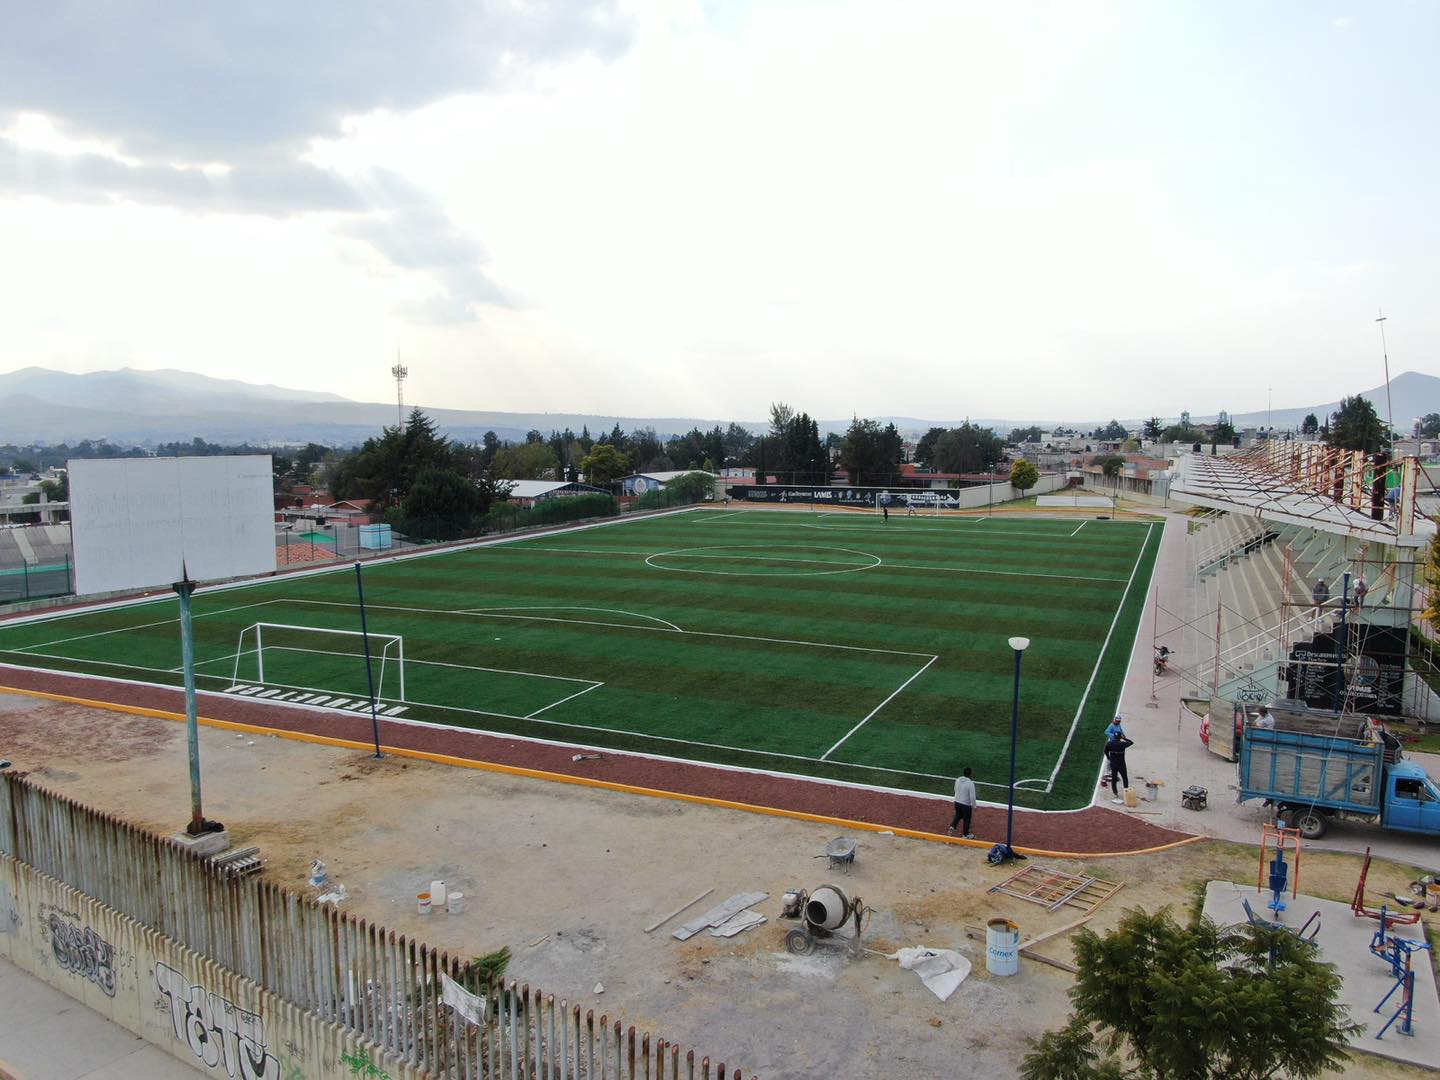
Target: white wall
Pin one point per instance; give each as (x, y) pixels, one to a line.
(137, 521)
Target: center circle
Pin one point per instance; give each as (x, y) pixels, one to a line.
(764, 560)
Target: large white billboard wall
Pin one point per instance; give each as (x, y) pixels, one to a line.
(136, 521)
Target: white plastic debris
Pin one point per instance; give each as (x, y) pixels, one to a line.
(335, 896)
(941, 970)
(318, 875)
(599, 988)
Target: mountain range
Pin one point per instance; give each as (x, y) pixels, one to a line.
(131, 406)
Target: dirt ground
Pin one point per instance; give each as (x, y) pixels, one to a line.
(568, 878)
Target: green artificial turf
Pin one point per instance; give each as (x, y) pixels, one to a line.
(754, 638)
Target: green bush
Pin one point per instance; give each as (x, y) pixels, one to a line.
(692, 487)
(504, 517)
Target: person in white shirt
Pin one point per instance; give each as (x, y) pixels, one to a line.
(964, 803)
(1264, 719)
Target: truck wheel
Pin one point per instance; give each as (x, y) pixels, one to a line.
(1311, 823)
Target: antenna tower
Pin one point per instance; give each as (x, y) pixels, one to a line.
(399, 371)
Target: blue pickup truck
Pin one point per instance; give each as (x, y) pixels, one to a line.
(1316, 767)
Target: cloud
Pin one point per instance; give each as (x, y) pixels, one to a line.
(212, 107)
(1343, 23)
(202, 81)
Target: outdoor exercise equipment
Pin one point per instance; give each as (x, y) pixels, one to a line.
(1397, 952)
(1358, 906)
(1277, 840)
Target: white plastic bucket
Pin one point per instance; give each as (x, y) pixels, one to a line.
(1002, 947)
(455, 903)
(1152, 791)
(438, 894)
(422, 903)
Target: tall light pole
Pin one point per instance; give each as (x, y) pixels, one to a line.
(1019, 645)
(1389, 406)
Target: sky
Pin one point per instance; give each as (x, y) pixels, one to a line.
(656, 208)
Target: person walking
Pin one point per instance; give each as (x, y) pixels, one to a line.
(964, 803)
(1115, 758)
(1116, 728)
(1321, 595)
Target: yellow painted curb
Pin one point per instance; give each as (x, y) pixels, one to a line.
(581, 781)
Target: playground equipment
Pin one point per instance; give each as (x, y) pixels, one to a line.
(1277, 839)
(1397, 952)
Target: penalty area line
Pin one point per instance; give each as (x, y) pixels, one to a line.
(877, 708)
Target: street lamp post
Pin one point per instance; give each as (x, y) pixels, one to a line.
(999, 854)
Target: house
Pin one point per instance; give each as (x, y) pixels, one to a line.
(640, 483)
(527, 493)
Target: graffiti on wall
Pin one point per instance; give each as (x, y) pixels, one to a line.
(218, 1032)
(9, 913)
(82, 952)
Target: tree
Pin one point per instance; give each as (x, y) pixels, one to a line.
(870, 453)
(1112, 465)
(1112, 431)
(1355, 426)
(527, 461)
(1196, 1003)
(1222, 433)
(603, 464)
(1024, 434)
(1153, 429)
(442, 504)
(1428, 426)
(382, 470)
(968, 449)
(1023, 475)
(1310, 424)
(925, 448)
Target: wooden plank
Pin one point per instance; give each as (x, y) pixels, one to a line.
(682, 907)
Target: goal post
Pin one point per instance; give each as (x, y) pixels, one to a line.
(315, 652)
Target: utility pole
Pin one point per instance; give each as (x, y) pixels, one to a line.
(1389, 407)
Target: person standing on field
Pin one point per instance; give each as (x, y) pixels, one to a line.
(964, 803)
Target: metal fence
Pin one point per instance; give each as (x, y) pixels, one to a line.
(32, 581)
(381, 985)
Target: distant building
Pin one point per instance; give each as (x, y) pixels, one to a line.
(640, 483)
(529, 492)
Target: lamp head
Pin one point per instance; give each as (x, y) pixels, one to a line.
(1019, 644)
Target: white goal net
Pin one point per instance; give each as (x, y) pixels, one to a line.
(318, 658)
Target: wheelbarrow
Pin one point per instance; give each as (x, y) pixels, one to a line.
(840, 852)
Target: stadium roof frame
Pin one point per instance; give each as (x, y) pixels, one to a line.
(1298, 483)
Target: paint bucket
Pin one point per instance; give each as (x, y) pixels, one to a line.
(1131, 799)
(1152, 791)
(437, 894)
(1002, 947)
(455, 903)
(422, 903)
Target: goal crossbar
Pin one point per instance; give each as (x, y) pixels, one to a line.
(393, 648)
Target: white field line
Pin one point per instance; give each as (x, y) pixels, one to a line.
(621, 626)
(572, 697)
(142, 626)
(849, 566)
(1084, 698)
(1000, 573)
(877, 708)
(1079, 527)
(574, 607)
(395, 660)
(717, 517)
(692, 553)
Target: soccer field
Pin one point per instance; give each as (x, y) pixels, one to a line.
(835, 645)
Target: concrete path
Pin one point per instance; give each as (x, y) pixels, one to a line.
(1344, 940)
(46, 1035)
(1167, 735)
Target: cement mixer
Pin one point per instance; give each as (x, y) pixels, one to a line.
(822, 914)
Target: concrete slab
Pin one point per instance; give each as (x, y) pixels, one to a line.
(46, 1034)
(1344, 940)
